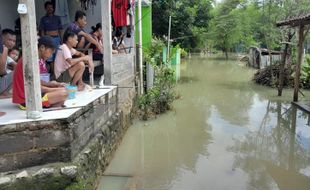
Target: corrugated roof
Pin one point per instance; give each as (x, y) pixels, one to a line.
(295, 21)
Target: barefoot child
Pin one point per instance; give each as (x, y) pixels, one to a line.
(68, 69)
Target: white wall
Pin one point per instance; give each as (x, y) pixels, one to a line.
(40, 10)
(93, 16)
(8, 12)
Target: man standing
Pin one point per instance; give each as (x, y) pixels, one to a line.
(50, 24)
(8, 38)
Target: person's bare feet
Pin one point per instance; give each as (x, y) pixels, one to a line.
(2, 113)
(81, 86)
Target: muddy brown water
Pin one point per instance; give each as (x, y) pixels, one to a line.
(224, 133)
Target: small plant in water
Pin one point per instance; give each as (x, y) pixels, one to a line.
(159, 98)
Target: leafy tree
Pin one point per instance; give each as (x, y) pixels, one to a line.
(223, 30)
(226, 25)
(189, 21)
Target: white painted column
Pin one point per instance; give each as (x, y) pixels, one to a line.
(30, 60)
(168, 48)
(140, 45)
(107, 42)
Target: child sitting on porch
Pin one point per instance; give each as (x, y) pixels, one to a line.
(97, 35)
(54, 94)
(68, 69)
(13, 56)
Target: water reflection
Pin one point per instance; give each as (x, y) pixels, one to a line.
(225, 133)
(276, 149)
(176, 143)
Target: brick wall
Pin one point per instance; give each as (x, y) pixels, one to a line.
(29, 144)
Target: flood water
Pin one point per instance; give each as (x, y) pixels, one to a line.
(224, 133)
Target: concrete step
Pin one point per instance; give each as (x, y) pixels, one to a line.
(117, 182)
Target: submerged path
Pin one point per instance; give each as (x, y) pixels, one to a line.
(225, 133)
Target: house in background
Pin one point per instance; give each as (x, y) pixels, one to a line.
(259, 58)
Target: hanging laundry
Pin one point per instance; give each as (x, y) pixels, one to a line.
(119, 9)
(62, 10)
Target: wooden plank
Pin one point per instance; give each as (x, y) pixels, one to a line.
(107, 43)
(302, 106)
(30, 60)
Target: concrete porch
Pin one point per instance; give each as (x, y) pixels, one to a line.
(56, 137)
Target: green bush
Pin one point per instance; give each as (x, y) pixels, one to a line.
(183, 53)
(305, 76)
(153, 54)
(160, 98)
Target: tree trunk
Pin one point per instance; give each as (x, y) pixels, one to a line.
(226, 54)
(281, 72)
(283, 63)
(282, 67)
(301, 39)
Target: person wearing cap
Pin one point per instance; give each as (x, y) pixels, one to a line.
(54, 94)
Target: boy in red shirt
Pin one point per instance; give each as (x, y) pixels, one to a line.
(54, 94)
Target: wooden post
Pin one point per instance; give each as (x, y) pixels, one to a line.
(107, 42)
(299, 61)
(30, 60)
(284, 62)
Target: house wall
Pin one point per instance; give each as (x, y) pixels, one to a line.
(146, 26)
(253, 54)
(265, 60)
(8, 13)
(93, 14)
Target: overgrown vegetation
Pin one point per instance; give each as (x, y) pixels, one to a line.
(226, 25)
(238, 24)
(189, 21)
(160, 98)
(305, 77)
(269, 76)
